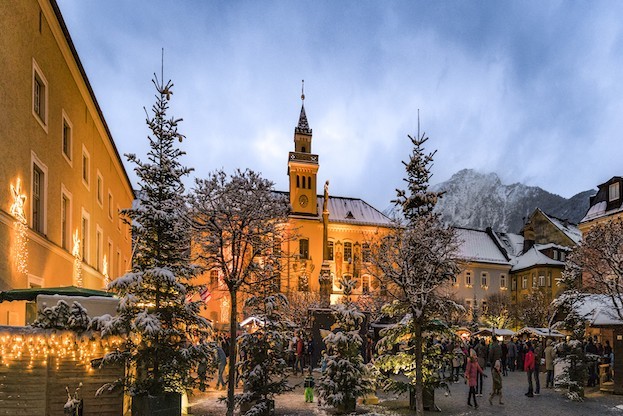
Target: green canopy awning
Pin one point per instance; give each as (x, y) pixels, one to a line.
(32, 293)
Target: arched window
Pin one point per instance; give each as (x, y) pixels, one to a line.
(298, 181)
(304, 177)
(330, 250)
(365, 285)
(303, 150)
(309, 182)
(304, 248)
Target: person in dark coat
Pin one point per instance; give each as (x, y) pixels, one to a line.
(512, 354)
(504, 358)
(481, 351)
(496, 376)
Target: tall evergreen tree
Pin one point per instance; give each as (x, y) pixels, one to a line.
(165, 337)
(416, 259)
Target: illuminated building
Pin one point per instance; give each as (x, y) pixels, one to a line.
(61, 175)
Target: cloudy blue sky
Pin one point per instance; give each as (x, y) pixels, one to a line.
(532, 90)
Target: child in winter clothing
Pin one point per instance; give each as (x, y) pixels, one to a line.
(309, 389)
(496, 375)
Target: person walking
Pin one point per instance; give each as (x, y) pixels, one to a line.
(550, 355)
(496, 376)
(472, 371)
(457, 362)
(300, 357)
(539, 359)
(481, 351)
(221, 360)
(504, 358)
(512, 354)
(528, 367)
(495, 352)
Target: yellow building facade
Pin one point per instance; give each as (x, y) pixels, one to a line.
(62, 181)
(352, 225)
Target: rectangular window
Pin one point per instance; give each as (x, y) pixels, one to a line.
(365, 285)
(541, 280)
(110, 201)
(514, 283)
(549, 279)
(65, 217)
(330, 250)
(483, 306)
(38, 183)
(304, 248)
(555, 254)
(563, 256)
(100, 189)
(214, 278)
(503, 281)
(39, 96)
(614, 192)
(366, 252)
(84, 236)
(524, 281)
(348, 252)
(534, 280)
(119, 218)
(86, 167)
(120, 271)
(454, 280)
(110, 258)
(468, 279)
(66, 142)
(484, 279)
(98, 248)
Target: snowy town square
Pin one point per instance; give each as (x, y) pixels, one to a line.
(270, 208)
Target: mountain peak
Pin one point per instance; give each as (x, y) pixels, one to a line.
(479, 200)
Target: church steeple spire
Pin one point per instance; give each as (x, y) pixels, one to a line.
(303, 126)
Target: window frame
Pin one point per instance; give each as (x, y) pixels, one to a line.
(99, 188)
(348, 244)
(331, 250)
(524, 281)
(37, 100)
(43, 169)
(66, 235)
(468, 278)
(99, 247)
(541, 280)
(304, 248)
(614, 191)
(67, 125)
(503, 281)
(86, 170)
(110, 205)
(484, 279)
(85, 217)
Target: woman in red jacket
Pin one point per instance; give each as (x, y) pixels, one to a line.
(471, 374)
(529, 367)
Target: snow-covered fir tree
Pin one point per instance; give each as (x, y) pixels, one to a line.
(346, 377)
(417, 257)
(62, 316)
(165, 338)
(263, 352)
(239, 223)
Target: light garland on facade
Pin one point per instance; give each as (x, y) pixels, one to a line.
(105, 272)
(53, 348)
(21, 227)
(77, 260)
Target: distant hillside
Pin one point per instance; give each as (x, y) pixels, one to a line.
(477, 200)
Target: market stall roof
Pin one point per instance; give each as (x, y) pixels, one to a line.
(541, 332)
(32, 293)
(502, 332)
(598, 310)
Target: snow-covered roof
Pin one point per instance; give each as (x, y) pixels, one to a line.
(476, 245)
(551, 245)
(497, 331)
(599, 210)
(570, 230)
(512, 243)
(541, 332)
(598, 310)
(353, 211)
(534, 257)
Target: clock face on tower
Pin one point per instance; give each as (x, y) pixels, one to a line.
(303, 200)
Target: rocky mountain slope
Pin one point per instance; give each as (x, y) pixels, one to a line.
(477, 200)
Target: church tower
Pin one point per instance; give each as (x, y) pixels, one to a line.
(302, 168)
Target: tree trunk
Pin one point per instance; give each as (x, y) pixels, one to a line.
(419, 373)
(233, 330)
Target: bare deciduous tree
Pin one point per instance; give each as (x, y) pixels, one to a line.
(239, 222)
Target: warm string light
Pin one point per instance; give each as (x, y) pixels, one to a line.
(77, 260)
(53, 348)
(105, 272)
(21, 226)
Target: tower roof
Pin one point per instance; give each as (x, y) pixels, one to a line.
(303, 126)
